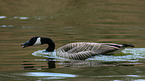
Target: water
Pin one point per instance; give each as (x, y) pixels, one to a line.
(68, 21)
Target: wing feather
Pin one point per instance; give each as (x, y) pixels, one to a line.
(84, 50)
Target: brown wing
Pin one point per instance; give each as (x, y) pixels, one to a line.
(80, 51)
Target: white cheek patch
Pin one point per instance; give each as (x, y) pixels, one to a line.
(38, 41)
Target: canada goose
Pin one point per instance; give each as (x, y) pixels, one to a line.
(78, 50)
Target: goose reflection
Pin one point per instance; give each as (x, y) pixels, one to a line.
(39, 64)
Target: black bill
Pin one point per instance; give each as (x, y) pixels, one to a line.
(26, 44)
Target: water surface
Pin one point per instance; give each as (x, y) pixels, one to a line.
(68, 21)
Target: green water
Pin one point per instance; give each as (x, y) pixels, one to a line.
(67, 21)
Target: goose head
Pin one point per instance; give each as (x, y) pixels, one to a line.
(40, 41)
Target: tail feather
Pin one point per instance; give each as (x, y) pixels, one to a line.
(128, 45)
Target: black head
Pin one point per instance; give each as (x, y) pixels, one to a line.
(32, 41)
(39, 41)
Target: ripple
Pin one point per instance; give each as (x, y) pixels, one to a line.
(134, 54)
(139, 80)
(43, 53)
(2, 17)
(4, 26)
(29, 17)
(130, 54)
(48, 75)
(23, 18)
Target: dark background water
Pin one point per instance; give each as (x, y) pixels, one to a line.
(66, 21)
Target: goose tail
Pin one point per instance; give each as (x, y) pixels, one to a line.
(128, 45)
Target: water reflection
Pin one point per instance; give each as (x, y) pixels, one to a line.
(121, 76)
(34, 76)
(24, 17)
(47, 75)
(40, 64)
(51, 63)
(43, 74)
(6, 26)
(34, 65)
(139, 79)
(2, 17)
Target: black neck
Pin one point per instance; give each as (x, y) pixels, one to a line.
(51, 44)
